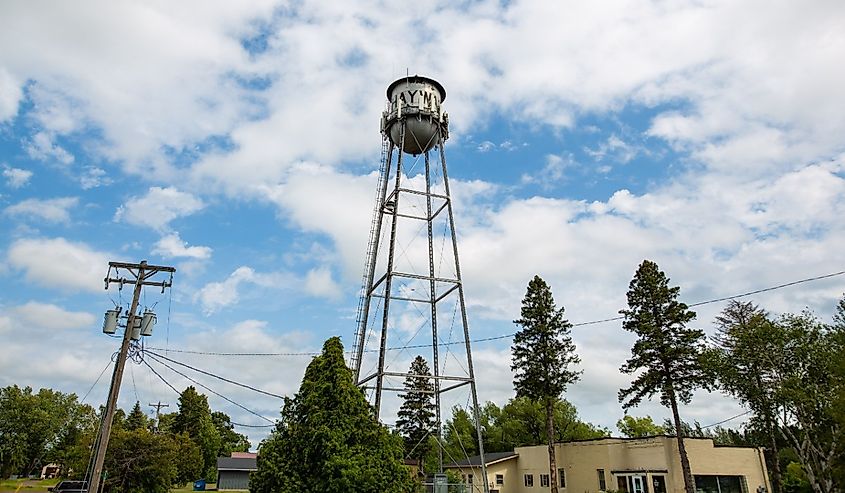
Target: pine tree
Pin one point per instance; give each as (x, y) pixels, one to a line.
(136, 420)
(194, 419)
(669, 354)
(328, 439)
(543, 352)
(416, 415)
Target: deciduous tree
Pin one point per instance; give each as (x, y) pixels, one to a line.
(746, 340)
(543, 356)
(139, 461)
(667, 355)
(31, 426)
(230, 440)
(634, 427)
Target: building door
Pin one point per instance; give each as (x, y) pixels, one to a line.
(637, 484)
(659, 483)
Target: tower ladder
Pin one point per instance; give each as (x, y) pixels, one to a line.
(361, 325)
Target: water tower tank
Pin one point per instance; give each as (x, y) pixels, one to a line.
(417, 101)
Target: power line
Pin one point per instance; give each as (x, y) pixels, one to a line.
(161, 377)
(508, 336)
(174, 370)
(95, 381)
(726, 420)
(771, 288)
(216, 376)
(174, 390)
(251, 426)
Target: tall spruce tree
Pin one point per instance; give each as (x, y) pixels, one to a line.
(136, 419)
(415, 418)
(543, 353)
(669, 354)
(194, 419)
(328, 439)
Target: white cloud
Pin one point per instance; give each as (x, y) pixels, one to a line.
(42, 147)
(10, 95)
(746, 93)
(135, 90)
(93, 177)
(51, 210)
(615, 149)
(215, 296)
(173, 246)
(39, 315)
(553, 171)
(485, 146)
(16, 177)
(59, 263)
(345, 218)
(319, 282)
(158, 208)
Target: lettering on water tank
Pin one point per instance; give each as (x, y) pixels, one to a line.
(417, 97)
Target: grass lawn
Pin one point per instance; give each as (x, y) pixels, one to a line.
(35, 486)
(28, 485)
(190, 487)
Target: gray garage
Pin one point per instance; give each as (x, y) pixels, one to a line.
(233, 472)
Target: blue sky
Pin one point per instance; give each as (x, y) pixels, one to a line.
(239, 143)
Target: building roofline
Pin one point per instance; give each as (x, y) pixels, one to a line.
(475, 462)
(631, 439)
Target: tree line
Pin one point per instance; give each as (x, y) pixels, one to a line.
(144, 455)
(787, 370)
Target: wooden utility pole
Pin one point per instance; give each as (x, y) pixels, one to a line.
(141, 274)
(158, 412)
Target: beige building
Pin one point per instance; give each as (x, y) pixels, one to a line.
(630, 465)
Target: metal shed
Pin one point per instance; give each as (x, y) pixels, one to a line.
(233, 472)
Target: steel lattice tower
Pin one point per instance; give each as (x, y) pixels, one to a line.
(413, 226)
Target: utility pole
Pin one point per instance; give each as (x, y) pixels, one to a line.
(158, 412)
(140, 275)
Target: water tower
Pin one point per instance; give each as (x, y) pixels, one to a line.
(412, 301)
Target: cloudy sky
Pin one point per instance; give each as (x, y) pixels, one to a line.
(239, 142)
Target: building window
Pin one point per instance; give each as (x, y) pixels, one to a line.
(562, 475)
(500, 479)
(602, 480)
(469, 478)
(529, 480)
(544, 480)
(720, 484)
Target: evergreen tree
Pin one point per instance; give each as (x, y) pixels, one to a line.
(416, 415)
(667, 355)
(136, 419)
(328, 439)
(194, 419)
(543, 352)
